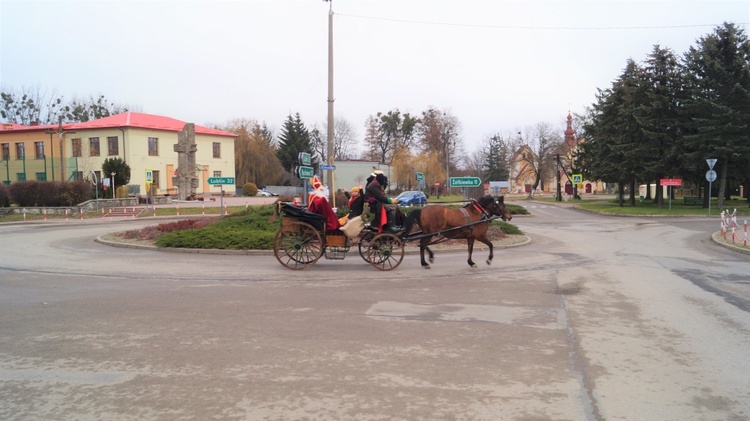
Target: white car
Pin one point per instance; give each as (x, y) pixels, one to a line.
(264, 193)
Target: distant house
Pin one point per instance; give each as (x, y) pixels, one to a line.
(144, 141)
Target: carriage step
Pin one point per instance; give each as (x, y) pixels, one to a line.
(336, 253)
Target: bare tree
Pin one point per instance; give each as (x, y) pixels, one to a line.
(255, 156)
(32, 105)
(344, 138)
(440, 132)
(537, 148)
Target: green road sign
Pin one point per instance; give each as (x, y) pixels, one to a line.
(305, 172)
(220, 180)
(304, 159)
(464, 182)
(420, 176)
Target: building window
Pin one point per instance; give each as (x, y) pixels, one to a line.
(217, 173)
(39, 150)
(94, 146)
(41, 176)
(79, 176)
(6, 151)
(113, 145)
(153, 146)
(98, 175)
(155, 178)
(217, 150)
(21, 176)
(76, 147)
(20, 154)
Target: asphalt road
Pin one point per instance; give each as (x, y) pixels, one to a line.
(599, 318)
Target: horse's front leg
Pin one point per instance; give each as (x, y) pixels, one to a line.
(470, 242)
(487, 241)
(432, 255)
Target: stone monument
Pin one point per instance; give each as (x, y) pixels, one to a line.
(186, 181)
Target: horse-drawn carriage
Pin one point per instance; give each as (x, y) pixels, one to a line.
(303, 239)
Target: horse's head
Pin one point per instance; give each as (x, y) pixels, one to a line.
(496, 206)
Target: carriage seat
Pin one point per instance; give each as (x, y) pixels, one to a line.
(291, 210)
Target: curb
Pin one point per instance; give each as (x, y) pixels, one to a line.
(716, 238)
(408, 250)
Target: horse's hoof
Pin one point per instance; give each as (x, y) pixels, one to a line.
(489, 262)
(432, 260)
(473, 265)
(426, 266)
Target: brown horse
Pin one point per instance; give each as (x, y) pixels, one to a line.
(457, 223)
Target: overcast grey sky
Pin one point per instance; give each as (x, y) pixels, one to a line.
(499, 66)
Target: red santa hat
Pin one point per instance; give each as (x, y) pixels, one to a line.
(315, 182)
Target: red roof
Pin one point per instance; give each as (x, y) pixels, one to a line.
(13, 127)
(128, 119)
(143, 121)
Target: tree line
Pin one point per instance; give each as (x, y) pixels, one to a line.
(33, 106)
(664, 117)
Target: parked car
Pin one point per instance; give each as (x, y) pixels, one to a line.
(264, 193)
(411, 198)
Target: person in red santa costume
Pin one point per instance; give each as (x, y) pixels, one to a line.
(319, 204)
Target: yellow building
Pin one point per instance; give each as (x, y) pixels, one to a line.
(144, 141)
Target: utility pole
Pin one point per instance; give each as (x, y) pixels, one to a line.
(332, 191)
(558, 197)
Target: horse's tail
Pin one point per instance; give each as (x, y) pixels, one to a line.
(414, 216)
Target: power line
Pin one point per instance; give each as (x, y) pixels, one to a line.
(541, 28)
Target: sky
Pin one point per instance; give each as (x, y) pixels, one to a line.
(499, 66)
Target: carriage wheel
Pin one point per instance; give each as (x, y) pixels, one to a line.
(297, 245)
(385, 251)
(364, 243)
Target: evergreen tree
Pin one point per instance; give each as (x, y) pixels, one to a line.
(119, 167)
(718, 103)
(615, 145)
(658, 118)
(293, 139)
(495, 156)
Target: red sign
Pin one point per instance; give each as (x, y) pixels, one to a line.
(437, 184)
(670, 181)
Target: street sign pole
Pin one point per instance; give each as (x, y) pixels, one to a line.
(710, 176)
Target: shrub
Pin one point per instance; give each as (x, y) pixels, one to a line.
(249, 189)
(26, 193)
(248, 230)
(49, 193)
(122, 192)
(4, 196)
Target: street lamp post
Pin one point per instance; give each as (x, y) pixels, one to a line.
(60, 132)
(113, 185)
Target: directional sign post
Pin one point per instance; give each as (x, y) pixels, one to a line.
(220, 181)
(215, 181)
(305, 172)
(464, 182)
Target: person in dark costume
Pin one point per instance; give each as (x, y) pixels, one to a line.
(381, 205)
(356, 202)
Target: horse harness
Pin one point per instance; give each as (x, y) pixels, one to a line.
(479, 208)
